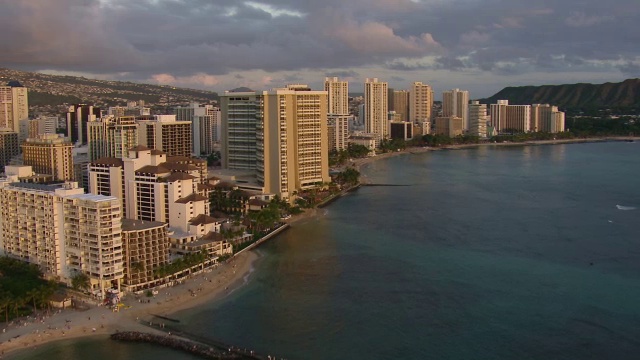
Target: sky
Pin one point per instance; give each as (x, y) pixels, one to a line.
(477, 45)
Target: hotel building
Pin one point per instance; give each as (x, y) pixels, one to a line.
(14, 107)
(281, 134)
(63, 231)
(50, 154)
(401, 104)
(506, 118)
(112, 136)
(420, 102)
(456, 103)
(546, 118)
(165, 133)
(477, 119)
(338, 112)
(376, 108)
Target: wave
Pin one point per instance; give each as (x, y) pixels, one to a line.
(620, 207)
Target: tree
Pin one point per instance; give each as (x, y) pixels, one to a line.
(80, 281)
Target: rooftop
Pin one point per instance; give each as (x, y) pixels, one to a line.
(137, 225)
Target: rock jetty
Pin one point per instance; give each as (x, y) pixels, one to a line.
(177, 343)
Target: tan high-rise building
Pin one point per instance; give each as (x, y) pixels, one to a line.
(401, 104)
(281, 134)
(14, 107)
(338, 131)
(337, 96)
(420, 102)
(546, 118)
(477, 119)
(111, 136)
(376, 108)
(146, 248)
(165, 133)
(505, 117)
(450, 126)
(41, 125)
(63, 231)
(50, 154)
(456, 103)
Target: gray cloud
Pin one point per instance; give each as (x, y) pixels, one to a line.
(208, 43)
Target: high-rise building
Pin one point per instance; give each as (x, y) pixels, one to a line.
(477, 119)
(401, 130)
(376, 107)
(338, 131)
(281, 134)
(41, 125)
(401, 104)
(150, 186)
(78, 116)
(146, 248)
(8, 146)
(510, 118)
(50, 154)
(449, 126)
(63, 231)
(337, 96)
(390, 99)
(111, 136)
(546, 118)
(165, 133)
(420, 102)
(456, 103)
(240, 113)
(14, 107)
(205, 121)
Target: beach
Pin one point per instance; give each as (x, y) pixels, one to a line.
(101, 321)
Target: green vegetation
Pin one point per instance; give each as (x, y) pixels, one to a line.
(37, 98)
(390, 145)
(21, 285)
(348, 177)
(185, 262)
(80, 281)
(603, 126)
(229, 202)
(353, 151)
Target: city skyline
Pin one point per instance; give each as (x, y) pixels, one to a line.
(262, 45)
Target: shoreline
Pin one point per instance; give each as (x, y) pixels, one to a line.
(100, 322)
(213, 285)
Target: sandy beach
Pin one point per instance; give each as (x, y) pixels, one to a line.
(100, 321)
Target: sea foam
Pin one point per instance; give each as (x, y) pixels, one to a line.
(620, 207)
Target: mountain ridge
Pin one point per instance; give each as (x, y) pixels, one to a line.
(624, 94)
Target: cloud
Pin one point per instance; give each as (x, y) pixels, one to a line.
(217, 44)
(580, 19)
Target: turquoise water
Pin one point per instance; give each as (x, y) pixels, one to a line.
(488, 253)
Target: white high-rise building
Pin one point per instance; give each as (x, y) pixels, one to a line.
(507, 118)
(455, 103)
(14, 107)
(420, 103)
(376, 108)
(63, 231)
(477, 119)
(337, 96)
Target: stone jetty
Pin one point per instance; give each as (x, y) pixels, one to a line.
(182, 344)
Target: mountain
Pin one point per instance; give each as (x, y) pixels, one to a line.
(573, 96)
(54, 90)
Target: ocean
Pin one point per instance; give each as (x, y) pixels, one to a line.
(523, 252)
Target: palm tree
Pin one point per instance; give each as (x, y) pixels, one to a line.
(80, 281)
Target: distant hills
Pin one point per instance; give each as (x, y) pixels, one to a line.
(53, 90)
(573, 96)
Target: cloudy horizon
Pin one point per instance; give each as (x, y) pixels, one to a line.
(478, 45)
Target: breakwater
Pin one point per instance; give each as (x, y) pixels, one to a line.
(202, 350)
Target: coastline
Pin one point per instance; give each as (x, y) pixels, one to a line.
(100, 322)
